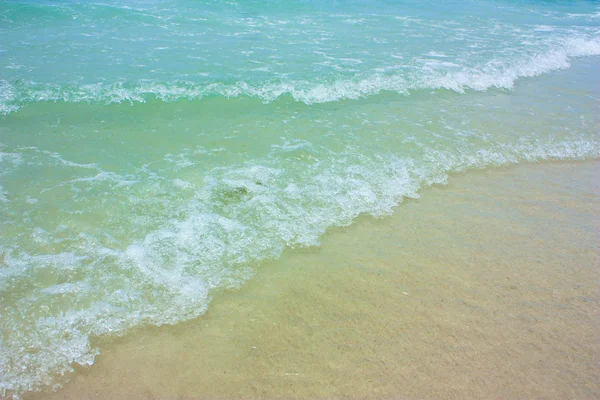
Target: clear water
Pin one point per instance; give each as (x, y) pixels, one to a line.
(152, 152)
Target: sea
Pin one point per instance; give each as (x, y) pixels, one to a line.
(156, 152)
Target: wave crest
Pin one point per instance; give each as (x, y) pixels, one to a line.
(494, 74)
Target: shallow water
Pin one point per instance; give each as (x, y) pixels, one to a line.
(154, 153)
(485, 288)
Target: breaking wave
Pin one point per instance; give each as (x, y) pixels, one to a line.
(494, 74)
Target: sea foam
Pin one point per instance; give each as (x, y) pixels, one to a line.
(495, 73)
(239, 217)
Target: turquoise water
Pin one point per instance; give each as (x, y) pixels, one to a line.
(153, 152)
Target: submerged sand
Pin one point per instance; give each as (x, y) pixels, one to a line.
(487, 287)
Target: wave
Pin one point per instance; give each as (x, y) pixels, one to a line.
(494, 74)
(240, 216)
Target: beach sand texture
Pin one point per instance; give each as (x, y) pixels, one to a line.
(483, 288)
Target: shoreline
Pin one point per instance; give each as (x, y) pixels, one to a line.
(485, 287)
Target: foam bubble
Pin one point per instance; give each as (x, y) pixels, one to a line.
(3, 193)
(492, 76)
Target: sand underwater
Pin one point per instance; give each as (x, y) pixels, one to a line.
(484, 288)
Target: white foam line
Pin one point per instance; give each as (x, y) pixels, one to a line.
(489, 76)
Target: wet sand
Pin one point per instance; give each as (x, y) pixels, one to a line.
(488, 287)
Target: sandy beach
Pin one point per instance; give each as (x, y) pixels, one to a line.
(483, 288)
